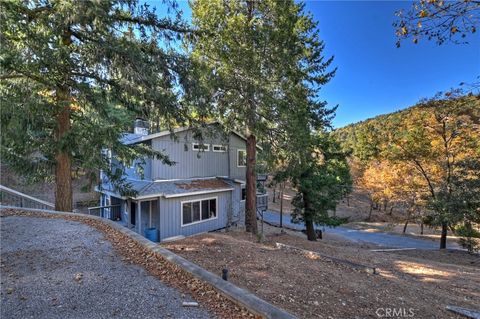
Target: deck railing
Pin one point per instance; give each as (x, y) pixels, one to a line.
(112, 212)
(11, 197)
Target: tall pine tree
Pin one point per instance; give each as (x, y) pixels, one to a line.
(251, 55)
(73, 76)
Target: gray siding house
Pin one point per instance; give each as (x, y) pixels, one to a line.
(203, 191)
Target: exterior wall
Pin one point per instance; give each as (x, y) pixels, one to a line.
(238, 206)
(236, 143)
(192, 163)
(171, 220)
(131, 172)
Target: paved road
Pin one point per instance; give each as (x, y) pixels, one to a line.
(378, 238)
(53, 268)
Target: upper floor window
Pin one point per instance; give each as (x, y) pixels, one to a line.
(199, 210)
(219, 148)
(243, 193)
(241, 158)
(201, 147)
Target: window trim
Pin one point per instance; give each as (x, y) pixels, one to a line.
(242, 150)
(219, 145)
(201, 220)
(207, 149)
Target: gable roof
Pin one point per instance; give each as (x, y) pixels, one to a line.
(130, 138)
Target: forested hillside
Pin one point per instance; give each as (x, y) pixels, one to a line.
(423, 161)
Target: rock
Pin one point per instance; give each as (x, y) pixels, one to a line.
(78, 277)
(190, 304)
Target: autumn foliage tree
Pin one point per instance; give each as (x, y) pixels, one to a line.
(421, 160)
(438, 20)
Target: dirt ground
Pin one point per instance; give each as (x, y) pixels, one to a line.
(420, 281)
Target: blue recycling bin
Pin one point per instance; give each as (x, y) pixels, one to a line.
(152, 234)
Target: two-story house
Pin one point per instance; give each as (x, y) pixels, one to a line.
(203, 191)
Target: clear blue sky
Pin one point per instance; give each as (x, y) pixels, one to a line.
(374, 77)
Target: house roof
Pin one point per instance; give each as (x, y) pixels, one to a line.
(130, 138)
(173, 188)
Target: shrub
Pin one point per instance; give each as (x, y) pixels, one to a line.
(470, 238)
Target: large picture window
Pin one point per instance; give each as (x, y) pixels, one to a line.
(241, 158)
(199, 211)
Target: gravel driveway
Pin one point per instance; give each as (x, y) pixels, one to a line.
(53, 268)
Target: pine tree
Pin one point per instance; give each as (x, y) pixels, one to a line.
(74, 75)
(251, 55)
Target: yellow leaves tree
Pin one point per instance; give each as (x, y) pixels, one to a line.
(442, 21)
(432, 142)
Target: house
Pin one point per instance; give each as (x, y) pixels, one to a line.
(203, 191)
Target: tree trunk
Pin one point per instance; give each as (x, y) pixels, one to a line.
(63, 161)
(406, 221)
(281, 205)
(443, 238)
(421, 228)
(274, 189)
(311, 235)
(348, 200)
(251, 187)
(63, 177)
(405, 227)
(391, 210)
(370, 212)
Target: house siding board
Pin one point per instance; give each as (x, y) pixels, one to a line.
(189, 163)
(171, 220)
(236, 143)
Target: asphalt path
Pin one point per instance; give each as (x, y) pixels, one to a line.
(378, 238)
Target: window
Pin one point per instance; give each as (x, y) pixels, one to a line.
(200, 147)
(198, 211)
(241, 158)
(243, 194)
(219, 148)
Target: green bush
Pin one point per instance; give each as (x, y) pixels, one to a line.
(470, 238)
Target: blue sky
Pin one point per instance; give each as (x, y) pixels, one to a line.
(374, 77)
